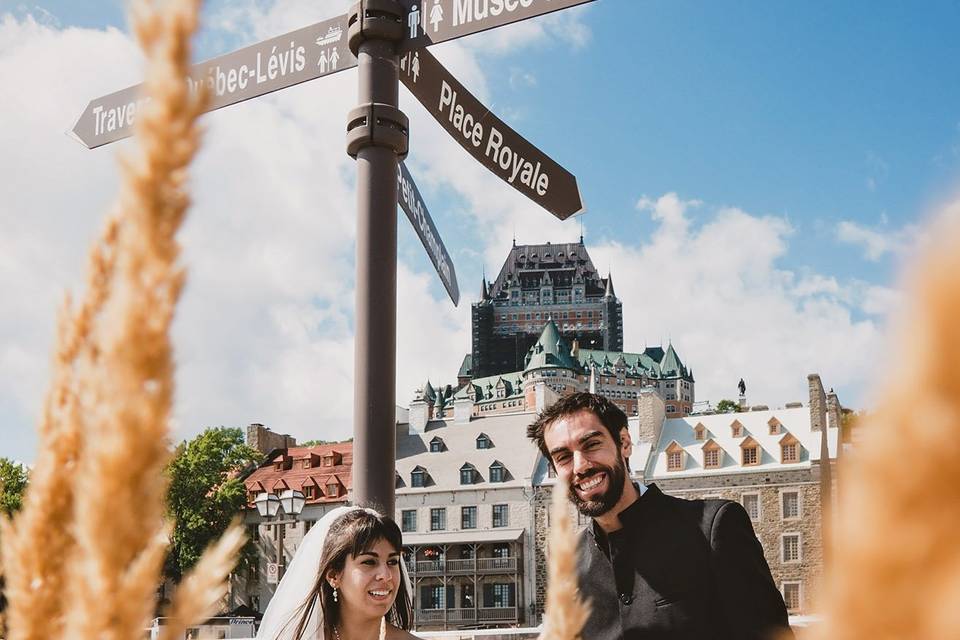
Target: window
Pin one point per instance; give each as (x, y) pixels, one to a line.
(751, 502)
(751, 455)
(438, 519)
(501, 515)
(418, 477)
(436, 445)
(333, 490)
(499, 595)
(468, 517)
(675, 461)
(497, 473)
(436, 596)
(700, 432)
(736, 429)
(774, 425)
(791, 595)
(483, 442)
(711, 458)
(789, 450)
(468, 474)
(790, 547)
(408, 520)
(791, 504)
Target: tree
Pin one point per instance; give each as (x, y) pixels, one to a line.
(13, 484)
(728, 406)
(206, 493)
(315, 443)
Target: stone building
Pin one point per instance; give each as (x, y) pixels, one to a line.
(538, 282)
(323, 474)
(464, 503)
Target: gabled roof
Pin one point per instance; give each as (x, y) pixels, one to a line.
(267, 478)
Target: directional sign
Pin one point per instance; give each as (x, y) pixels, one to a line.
(485, 136)
(277, 63)
(408, 196)
(432, 21)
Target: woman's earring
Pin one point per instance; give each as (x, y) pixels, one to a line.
(335, 597)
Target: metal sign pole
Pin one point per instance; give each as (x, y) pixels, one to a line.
(377, 138)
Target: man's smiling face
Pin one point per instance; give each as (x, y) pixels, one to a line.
(590, 461)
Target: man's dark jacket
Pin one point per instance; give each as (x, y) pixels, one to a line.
(678, 569)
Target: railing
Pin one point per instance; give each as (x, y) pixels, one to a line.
(467, 616)
(466, 565)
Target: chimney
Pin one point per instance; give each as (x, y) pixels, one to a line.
(419, 415)
(651, 412)
(818, 403)
(833, 410)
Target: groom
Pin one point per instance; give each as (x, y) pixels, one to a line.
(654, 566)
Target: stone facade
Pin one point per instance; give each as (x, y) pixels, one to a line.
(264, 440)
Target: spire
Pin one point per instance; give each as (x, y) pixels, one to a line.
(484, 291)
(609, 292)
(593, 378)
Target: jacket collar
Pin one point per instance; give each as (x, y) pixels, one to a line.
(636, 513)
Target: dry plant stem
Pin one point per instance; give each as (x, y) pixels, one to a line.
(201, 590)
(37, 541)
(565, 612)
(896, 572)
(119, 492)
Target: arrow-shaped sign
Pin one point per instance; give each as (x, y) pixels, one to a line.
(408, 196)
(488, 139)
(432, 21)
(277, 63)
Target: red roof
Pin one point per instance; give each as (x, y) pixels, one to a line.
(301, 467)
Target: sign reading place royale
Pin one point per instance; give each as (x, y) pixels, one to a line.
(410, 201)
(277, 63)
(487, 138)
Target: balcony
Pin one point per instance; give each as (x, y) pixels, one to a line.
(481, 615)
(462, 567)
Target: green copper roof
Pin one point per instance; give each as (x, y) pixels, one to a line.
(550, 350)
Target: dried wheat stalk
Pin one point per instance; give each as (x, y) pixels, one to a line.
(896, 570)
(83, 557)
(565, 612)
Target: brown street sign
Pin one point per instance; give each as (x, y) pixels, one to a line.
(432, 21)
(277, 63)
(408, 196)
(485, 136)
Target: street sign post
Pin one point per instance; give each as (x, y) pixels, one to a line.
(487, 138)
(371, 37)
(412, 204)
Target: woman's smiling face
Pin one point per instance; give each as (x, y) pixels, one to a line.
(369, 583)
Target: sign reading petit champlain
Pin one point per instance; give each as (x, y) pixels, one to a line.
(487, 138)
(412, 204)
(386, 40)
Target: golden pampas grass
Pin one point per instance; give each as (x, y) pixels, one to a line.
(201, 590)
(896, 564)
(83, 558)
(565, 612)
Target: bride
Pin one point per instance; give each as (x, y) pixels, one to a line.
(346, 582)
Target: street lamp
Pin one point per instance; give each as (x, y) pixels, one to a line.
(269, 506)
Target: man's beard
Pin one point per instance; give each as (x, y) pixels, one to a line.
(606, 501)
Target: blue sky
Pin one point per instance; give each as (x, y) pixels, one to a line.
(757, 177)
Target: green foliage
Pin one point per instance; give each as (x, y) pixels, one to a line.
(728, 406)
(13, 484)
(316, 443)
(206, 493)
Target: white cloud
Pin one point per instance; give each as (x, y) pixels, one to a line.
(714, 285)
(877, 243)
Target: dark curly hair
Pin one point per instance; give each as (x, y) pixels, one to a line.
(607, 413)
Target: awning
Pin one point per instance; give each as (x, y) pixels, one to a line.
(462, 537)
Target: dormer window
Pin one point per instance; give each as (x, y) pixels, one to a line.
(736, 429)
(308, 492)
(675, 457)
(436, 445)
(484, 442)
(789, 449)
(418, 477)
(333, 489)
(749, 452)
(700, 432)
(712, 455)
(468, 474)
(775, 426)
(498, 472)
